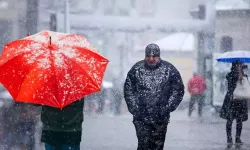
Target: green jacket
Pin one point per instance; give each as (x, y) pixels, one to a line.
(68, 119)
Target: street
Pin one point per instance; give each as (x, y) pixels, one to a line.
(184, 133)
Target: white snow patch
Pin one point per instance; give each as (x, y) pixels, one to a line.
(69, 52)
(39, 37)
(59, 61)
(44, 63)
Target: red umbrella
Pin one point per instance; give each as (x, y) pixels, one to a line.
(51, 68)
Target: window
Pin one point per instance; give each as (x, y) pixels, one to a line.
(133, 3)
(117, 7)
(4, 4)
(109, 8)
(83, 6)
(146, 7)
(87, 6)
(226, 44)
(123, 7)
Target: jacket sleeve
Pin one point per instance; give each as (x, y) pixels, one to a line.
(232, 79)
(189, 86)
(177, 89)
(204, 84)
(130, 92)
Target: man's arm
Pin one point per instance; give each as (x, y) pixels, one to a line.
(189, 86)
(204, 84)
(129, 92)
(177, 89)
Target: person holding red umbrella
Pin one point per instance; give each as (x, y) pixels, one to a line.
(55, 70)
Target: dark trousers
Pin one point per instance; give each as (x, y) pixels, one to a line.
(117, 106)
(150, 136)
(236, 112)
(229, 124)
(27, 135)
(200, 100)
(101, 103)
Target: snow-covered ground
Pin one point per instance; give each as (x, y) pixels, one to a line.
(184, 133)
(108, 132)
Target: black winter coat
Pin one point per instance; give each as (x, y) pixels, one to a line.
(152, 93)
(233, 109)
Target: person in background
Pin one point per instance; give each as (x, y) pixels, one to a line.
(101, 97)
(196, 87)
(117, 100)
(27, 123)
(117, 96)
(234, 108)
(90, 106)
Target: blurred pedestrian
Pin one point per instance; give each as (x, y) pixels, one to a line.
(117, 100)
(196, 88)
(90, 101)
(101, 97)
(9, 124)
(26, 125)
(235, 103)
(152, 90)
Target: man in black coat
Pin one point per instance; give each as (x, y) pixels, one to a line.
(153, 88)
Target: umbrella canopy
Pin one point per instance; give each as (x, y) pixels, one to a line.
(51, 68)
(229, 57)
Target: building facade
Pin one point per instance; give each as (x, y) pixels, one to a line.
(8, 21)
(118, 46)
(232, 29)
(17, 19)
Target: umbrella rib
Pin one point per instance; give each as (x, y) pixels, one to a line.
(22, 52)
(93, 53)
(83, 70)
(28, 72)
(34, 63)
(79, 49)
(54, 76)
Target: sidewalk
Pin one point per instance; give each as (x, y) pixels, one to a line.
(184, 133)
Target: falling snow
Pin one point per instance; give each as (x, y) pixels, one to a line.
(135, 100)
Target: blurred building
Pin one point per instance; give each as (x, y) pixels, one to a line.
(8, 21)
(232, 24)
(117, 45)
(98, 21)
(17, 19)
